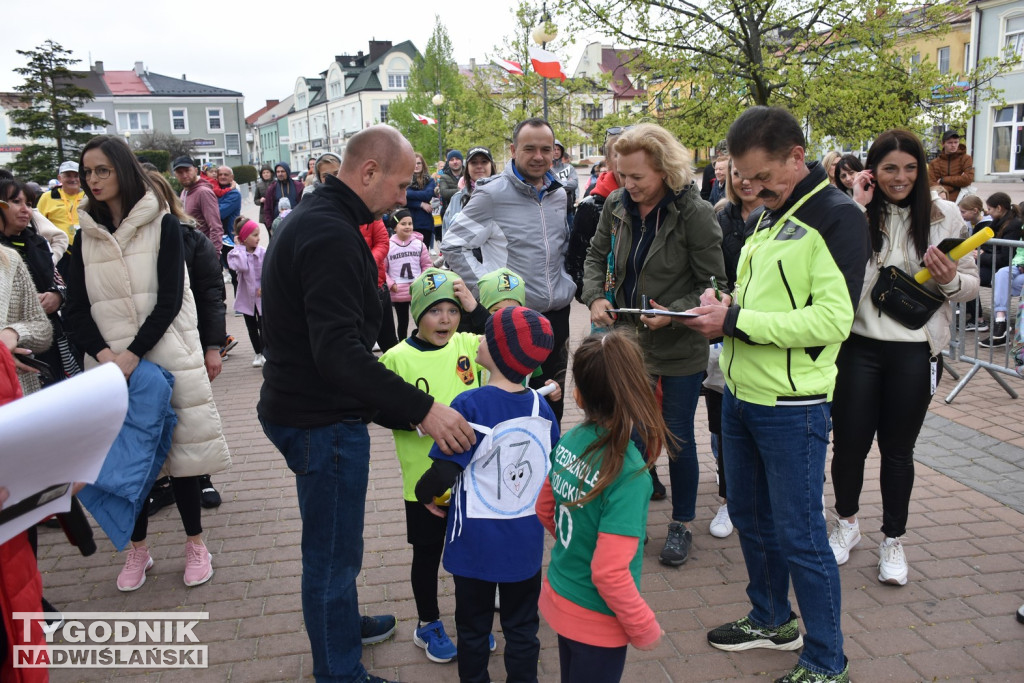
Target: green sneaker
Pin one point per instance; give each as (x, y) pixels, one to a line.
(802, 674)
(745, 635)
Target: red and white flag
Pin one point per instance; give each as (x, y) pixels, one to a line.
(511, 67)
(425, 120)
(546, 63)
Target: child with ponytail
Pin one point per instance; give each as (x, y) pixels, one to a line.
(594, 503)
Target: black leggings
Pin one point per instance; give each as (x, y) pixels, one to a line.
(186, 496)
(254, 323)
(426, 534)
(402, 312)
(386, 337)
(882, 388)
(582, 663)
(713, 402)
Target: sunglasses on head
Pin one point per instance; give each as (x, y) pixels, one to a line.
(616, 130)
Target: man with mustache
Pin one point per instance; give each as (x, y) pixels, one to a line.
(797, 287)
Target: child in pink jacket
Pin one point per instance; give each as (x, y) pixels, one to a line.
(407, 258)
(246, 259)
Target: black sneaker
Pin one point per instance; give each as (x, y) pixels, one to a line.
(998, 336)
(161, 495)
(744, 635)
(659, 489)
(51, 624)
(377, 629)
(229, 344)
(801, 674)
(677, 545)
(208, 496)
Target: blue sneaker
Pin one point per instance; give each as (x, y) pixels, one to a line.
(377, 629)
(494, 646)
(432, 638)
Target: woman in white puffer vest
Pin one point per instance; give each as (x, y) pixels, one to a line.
(129, 299)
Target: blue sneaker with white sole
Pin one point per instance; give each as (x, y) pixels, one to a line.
(432, 638)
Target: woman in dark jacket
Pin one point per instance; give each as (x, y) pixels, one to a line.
(658, 244)
(1006, 224)
(266, 177)
(417, 200)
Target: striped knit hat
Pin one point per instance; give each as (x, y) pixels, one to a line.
(518, 340)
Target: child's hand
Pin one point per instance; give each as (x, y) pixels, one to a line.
(438, 512)
(259, 291)
(394, 287)
(652, 645)
(556, 393)
(465, 297)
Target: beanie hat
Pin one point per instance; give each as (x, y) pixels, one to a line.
(456, 154)
(284, 203)
(518, 339)
(247, 229)
(499, 285)
(432, 287)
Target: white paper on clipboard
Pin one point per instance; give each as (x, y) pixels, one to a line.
(35, 456)
(654, 311)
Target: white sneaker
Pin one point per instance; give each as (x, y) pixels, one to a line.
(257, 361)
(842, 538)
(892, 562)
(721, 525)
(263, 361)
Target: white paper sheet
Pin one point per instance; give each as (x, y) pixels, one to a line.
(58, 435)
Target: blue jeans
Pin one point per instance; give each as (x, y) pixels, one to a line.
(1006, 281)
(678, 406)
(775, 473)
(331, 466)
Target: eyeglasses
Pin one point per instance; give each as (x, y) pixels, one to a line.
(616, 130)
(102, 172)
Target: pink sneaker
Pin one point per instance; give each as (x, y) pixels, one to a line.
(198, 564)
(133, 574)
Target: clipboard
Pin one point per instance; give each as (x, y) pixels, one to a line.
(654, 311)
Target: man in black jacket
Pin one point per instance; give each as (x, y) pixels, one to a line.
(322, 384)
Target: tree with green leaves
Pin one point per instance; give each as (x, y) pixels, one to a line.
(51, 117)
(837, 64)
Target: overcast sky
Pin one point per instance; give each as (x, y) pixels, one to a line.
(256, 48)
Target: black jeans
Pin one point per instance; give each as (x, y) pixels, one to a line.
(582, 663)
(554, 366)
(386, 337)
(187, 498)
(402, 312)
(474, 620)
(882, 388)
(254, 324)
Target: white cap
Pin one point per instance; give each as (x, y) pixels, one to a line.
(71, 166)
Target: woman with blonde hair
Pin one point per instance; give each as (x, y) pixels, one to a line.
(417, 200)
(828, 162)
(658, 245)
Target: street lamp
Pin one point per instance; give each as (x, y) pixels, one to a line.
(438, 100)
(545, 32)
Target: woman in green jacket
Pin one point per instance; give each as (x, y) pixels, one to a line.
(658, 242)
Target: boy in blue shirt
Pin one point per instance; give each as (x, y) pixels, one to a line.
(493, 535)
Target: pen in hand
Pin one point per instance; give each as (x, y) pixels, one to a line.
(714, 286)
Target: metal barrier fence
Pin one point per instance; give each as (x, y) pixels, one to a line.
(965, 345)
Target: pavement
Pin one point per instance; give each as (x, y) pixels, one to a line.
(954, 620)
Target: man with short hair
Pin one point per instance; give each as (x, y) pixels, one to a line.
(283, 187)
(322, 384)
(799, 283)
(199, 200)
(517, 220)
(953, 168)
(229, 199)
(448, 178)
(60, 204)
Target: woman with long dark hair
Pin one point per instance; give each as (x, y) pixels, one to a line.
(128, 300)
(1008, 276)
(887, 372)
(417, 200)
(844, 172)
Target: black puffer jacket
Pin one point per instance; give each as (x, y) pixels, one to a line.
(735, 232)
(207, 285)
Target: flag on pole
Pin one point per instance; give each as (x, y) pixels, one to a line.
(511, 67)
(425, 120)
(546, 63)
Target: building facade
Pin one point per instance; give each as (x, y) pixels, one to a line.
(270, 132)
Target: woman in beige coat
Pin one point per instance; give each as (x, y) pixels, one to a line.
(23, 324)
(129, 299)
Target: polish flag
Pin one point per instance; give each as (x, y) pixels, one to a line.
(546, 63)
(425, 120)
(511, 67)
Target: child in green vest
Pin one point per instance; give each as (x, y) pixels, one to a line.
(442, 362)
(594, 503)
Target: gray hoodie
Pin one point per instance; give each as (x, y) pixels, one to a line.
(514, 226)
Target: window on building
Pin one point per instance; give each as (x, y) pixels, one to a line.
(179, 120)
(967, 57)
(943, 60)
(1014, 41)
(592, 112)
(398, 81)
(133, 121)
(915, 62)
(214, 119)
(95, 130)
(1008, 139)
(334, 90)
(383, 113)
(300, 101)
(231, 144)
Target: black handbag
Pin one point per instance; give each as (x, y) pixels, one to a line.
(899, 296)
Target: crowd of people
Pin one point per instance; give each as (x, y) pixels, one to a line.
(758, 290)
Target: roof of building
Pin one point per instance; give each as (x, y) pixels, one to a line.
(363, 74)
(251, 118)
(616, 62)
(283, 108)
(142, 83)
(179, 87)
(124, 83)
